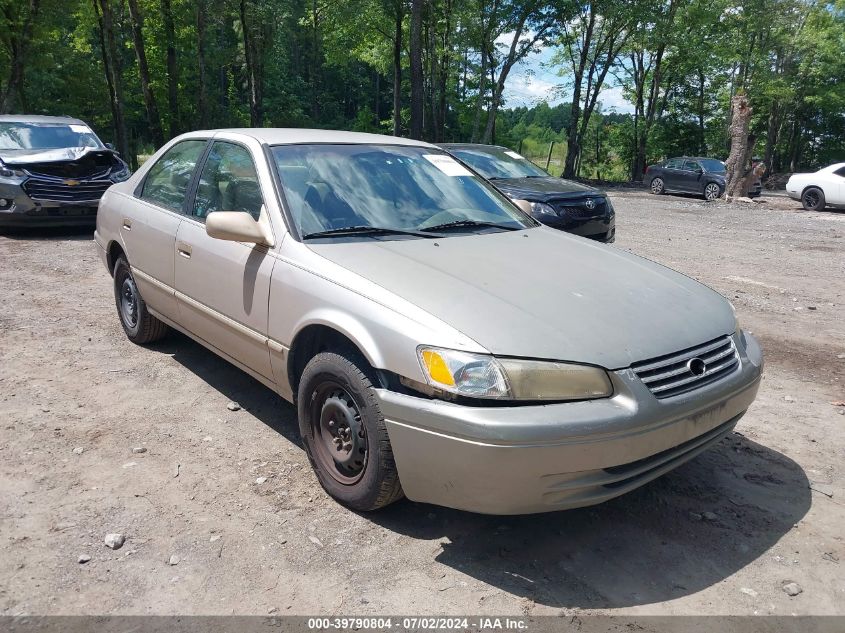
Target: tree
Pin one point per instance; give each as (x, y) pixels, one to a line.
(16, 28)
(416, 70)
(530, 23)
(738, 165)
(591, 44)
(172, 67)
(111, 65)
(153, 118)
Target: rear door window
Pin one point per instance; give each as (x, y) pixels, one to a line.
(691, 165)
(166, 184)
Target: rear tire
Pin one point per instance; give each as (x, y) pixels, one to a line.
(658, 187)
(712, 191)
(813, 199)
(344, 433)
(140, 326)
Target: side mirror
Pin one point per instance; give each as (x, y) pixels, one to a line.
(239, 226)
(524, 205)
(110, 146)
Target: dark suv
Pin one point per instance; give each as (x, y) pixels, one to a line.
(53, 171)
(558, 203)
(702, 176)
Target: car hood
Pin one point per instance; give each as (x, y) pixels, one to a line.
(542, 293)
(542, 189)
(29, 157)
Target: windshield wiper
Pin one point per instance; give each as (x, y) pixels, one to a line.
(459, 224)
(364, 230)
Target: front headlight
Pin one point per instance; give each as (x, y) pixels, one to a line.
(483, 376)
(542, 208)
(120, 174)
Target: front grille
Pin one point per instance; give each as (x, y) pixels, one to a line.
(671, 375)
(56, 190)
(577, 208)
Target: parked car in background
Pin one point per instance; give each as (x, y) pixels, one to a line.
(701, 176)
(437, 341)
(559, 203)
(53, 171)
(826, 187)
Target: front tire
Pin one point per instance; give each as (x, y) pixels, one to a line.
(813, 199)
(712, 191)
(140, 326)
(658, 187)
(344, 433)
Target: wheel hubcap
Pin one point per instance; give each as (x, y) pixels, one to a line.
(811, 199)
(129, 302)
(340, 440)
(657, 186)
(712, 192)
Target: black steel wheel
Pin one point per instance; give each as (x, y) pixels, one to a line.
(344, 432)
(340, 440)
(140, 326)
(813, 199)
(658, 187)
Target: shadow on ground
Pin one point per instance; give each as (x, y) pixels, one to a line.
(649, 546)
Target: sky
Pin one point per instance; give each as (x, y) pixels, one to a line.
(533, 80)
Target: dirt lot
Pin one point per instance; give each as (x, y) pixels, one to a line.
(70, 380)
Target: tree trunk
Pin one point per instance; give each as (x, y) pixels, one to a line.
(738, 165)
(252, 73)
(572, 148)
(113, 77)
(153, 118)
(203, 81)
(19, 46)
(397, 71)
(172, 68)
(416, 69)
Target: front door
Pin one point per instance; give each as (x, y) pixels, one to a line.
(690, 177)
(672, 173)
(222, 287)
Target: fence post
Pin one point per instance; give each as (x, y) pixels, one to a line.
(549, 157)
(519, 150)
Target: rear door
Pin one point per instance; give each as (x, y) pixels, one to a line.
(150, 221)
(223, 287)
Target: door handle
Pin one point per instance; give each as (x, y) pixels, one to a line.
(127, 224)
(183, 249)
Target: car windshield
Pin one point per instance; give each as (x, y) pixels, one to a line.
(712, 165)
(23, 136)
(400, 188)
(497, 162)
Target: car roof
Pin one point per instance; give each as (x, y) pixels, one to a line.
(470, 146)
(694, 158)
(288, 136)
(38, 118)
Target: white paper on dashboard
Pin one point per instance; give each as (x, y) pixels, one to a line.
(514, 155)
(447, 165)
(80, 129)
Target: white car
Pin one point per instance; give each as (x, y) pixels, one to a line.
(826, 187)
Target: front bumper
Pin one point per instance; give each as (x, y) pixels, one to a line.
(19, 210)
(526, 459)
(602, 229)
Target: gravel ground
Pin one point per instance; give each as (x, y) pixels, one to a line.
(724, 534)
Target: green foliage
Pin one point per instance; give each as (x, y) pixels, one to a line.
(324, 63)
